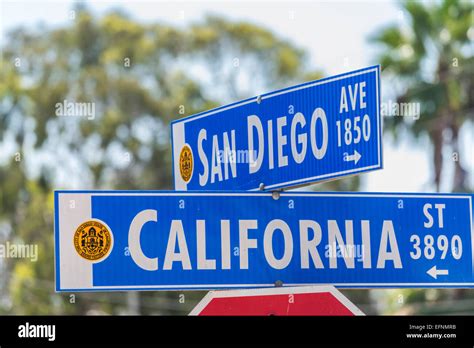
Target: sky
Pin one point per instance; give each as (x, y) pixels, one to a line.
(334, 33)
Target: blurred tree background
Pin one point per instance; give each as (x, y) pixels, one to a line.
(439, 34)
(142, 76)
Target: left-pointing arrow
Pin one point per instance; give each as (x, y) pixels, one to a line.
(436, 272)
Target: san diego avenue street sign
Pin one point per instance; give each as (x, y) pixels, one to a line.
(312, 132)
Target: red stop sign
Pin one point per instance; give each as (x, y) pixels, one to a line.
(308, 300)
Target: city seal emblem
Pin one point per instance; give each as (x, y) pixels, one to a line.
(186, 163)
(93, 240)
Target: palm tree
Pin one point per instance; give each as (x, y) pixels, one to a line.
(431, 55)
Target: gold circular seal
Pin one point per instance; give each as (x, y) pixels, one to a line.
(186, 163)
(93, 240)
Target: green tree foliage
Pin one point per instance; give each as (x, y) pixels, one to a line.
(432, 57)
(139, 77)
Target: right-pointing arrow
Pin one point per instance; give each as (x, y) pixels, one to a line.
(436, 272)
(355, 157)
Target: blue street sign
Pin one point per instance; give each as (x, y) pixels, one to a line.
(312, 132)
(126, 240)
